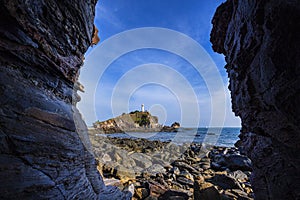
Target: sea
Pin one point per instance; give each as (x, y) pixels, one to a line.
(226, 136)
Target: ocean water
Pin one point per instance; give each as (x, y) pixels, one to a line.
(226, 136)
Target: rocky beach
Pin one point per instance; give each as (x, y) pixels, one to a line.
(45, 152)
(164, 170)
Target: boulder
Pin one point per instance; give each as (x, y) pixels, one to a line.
(239, 175)
(205, 191)
(238, 162)
(185, 181)
(141, 160)
(156, 168)
(124, 173)
(225, 182)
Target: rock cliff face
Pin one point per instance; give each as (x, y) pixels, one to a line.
(42, 155)
(260, 40)
(132, 122)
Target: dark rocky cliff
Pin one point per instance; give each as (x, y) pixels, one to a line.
(41, 50)
(260, 40)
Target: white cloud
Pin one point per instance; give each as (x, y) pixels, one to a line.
(164, 39)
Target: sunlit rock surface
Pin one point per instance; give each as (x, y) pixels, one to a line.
(260, 40)
(42, 154)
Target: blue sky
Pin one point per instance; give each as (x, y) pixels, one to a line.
(169, 85)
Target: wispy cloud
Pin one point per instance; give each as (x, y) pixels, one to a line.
(105, 15)
(118, 82)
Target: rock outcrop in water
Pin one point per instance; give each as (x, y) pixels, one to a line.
(260, 40)
(42, 154)
(136, 121)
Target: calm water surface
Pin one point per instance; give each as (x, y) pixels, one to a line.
(226, 136)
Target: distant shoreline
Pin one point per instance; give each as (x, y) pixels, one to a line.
(91, 127)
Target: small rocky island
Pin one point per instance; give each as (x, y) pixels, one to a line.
(135, 121)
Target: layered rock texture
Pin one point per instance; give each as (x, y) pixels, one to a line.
(44, 150)
(260, 40)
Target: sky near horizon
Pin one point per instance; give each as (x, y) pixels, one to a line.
(168, 84)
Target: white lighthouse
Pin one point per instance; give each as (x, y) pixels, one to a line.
(143, 108)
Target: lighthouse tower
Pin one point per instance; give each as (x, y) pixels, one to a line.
(143, 108)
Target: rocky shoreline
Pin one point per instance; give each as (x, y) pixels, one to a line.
(162, 170)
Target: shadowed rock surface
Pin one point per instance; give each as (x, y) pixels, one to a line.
(42, 154)
(164, 170)
(260, 40)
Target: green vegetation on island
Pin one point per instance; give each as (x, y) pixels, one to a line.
(135, 121)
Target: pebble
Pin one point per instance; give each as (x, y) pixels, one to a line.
(169, 171)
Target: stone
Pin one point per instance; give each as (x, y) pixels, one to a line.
(260, 42)
(141, 160)
(162, 182)
(141, 193)
(205, 191)
(106, 158)
(186, 174)
(216, 166)
(175, 170)
(185, 181)
(112, 181)
(205, 166)
(220, 160)
(225, 182)
(156, 168)
(157, 189)
(241, 194)
(239, 175)
(238, 162)
(124, 173)
(184, 166)
(45, 149)
(174, 195)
